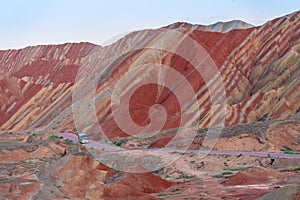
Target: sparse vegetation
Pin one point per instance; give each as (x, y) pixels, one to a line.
(223, 174)
(287, 148)
(118, 144)
(68, 140)
(291, 169)
(235, 169)
(200, 165)
(290, 152)
(176, 152)
(218, 176)
(186, 176)
(227, 173)
(55, 137)
(75, 143)
(162, 195)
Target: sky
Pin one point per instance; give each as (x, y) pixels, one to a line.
(33, 22)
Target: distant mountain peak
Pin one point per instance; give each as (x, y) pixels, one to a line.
(222, 27)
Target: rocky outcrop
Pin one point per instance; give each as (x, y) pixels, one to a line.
(85, 178)
(256, 175)
(291, 192)
(51, 85)
(44, 166)
(19, 188)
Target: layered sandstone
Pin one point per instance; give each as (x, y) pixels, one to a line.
(259, 69)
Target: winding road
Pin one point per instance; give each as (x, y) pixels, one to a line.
(111, 148)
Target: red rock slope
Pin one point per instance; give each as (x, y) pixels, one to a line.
(70, 174)
(259, 66)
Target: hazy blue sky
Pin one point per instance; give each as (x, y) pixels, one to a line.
(31, 22)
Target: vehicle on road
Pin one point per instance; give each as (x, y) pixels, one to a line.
(83, 138)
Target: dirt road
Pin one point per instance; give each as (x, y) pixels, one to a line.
(113, 148)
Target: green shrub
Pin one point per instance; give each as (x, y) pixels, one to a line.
(118, 144)
(290, 152)
(55, 137)
(236, 169)
(218, 176)
(68, 140)
(227, 173)
(176, 152)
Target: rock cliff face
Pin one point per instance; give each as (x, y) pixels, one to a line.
(40, 86)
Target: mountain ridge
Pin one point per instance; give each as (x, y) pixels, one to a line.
(241, 56)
